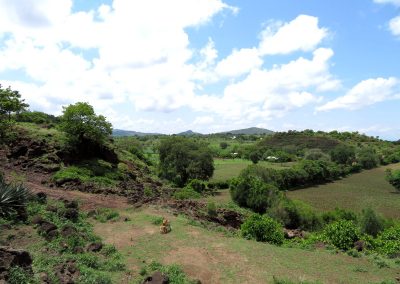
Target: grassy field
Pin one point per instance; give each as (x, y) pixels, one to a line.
(214, 257)
(366, 189)
(228, 168)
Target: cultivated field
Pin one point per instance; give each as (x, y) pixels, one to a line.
(366, 189)
(229, 168)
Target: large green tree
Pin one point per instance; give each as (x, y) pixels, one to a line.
(183, 159)
(83, 127)
(10, 103)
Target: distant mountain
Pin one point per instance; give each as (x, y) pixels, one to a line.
(249, 131)
(189, 133)
(120, 133)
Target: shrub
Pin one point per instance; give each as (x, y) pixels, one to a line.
(253, 193)
(212, 209)
(186, 193)
(339, 214)
(388, 241)
(368, 158)
(197, 185)
(316, 154)
(393, 177)
(182, 159)
(370, 223)
(342, 234)
(254, 157)
(223, 145)
(262, 229)
(343, 154)
(296, 215)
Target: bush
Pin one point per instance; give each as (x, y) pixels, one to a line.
(342, 234)
(339, 214)
(197, 185)
(254, 157)
(393, 177)
(343, 154)
(368, 158)
(262, 229)
(251, 192)
(388, 241)
(370, 223)
(182, 159)
(212, 209)
(296, 215)
(316, 154)
(186, 193)
(223, 145)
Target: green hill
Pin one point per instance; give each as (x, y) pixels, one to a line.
(248, 131)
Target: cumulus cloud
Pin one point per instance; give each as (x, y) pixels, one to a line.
(394, 2)
(130, 52)
(239, 62)
(272, 93)
(301, 34)
(366, 93)
(394, 26)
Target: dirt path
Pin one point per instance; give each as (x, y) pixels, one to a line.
(88, 201)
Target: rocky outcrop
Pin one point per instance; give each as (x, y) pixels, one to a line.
(10, 258)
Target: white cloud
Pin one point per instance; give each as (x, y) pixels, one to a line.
(139, 53)
(203, 120)
(272, 93)
(239, 62)
(394, 26)
(301, 34)
(394, 2)
(366, 93)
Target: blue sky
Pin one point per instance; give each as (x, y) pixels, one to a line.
(209, 65)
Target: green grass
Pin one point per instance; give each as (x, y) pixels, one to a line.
(229, 168)
(52, 135)
(214, 257)
(366, 189)
(96, 171)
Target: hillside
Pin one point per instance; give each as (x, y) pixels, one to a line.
(248, 131)
(122, 133)
(189, 133)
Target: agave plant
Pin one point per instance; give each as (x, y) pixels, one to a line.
(13, 198)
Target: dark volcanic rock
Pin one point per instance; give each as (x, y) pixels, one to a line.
(68, 231)
(41, 197)
(68, 272)
(37, 220)
(157, 278)
(71, 214)
(94, 247)
(11, 257)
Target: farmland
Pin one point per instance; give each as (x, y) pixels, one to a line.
(366, 189)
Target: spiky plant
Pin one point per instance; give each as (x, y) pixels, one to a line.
(13, 198)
